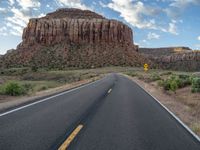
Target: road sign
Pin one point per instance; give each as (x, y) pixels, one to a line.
(146, 67)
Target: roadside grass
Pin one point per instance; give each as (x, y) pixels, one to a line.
(196, 127)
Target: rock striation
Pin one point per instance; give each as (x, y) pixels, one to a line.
(189, 61)
(175, 58)
(164, 51)
(72, 37)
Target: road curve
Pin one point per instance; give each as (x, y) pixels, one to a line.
(115, 114)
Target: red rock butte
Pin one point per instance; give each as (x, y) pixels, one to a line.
(72, 37)
(75, 26)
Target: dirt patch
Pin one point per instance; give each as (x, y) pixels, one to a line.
(184, 104)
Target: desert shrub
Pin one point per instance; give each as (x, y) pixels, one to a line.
(13, 89)
(196, 85)
(34, 68)
(27, 86)
(171, 83)
(154, 77)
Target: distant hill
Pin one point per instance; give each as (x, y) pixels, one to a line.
(164, 51)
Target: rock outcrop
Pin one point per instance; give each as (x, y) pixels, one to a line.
(174, 58)
(164, 51)
(75, 38)
(189, 61)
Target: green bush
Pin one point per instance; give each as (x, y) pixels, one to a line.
(196, 85)
(177, 81)
(13, 89)
(173, 85)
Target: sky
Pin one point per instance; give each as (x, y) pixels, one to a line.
(155, 23)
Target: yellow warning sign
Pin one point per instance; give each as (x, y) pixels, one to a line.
(146, 67)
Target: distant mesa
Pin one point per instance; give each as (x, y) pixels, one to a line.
(175, 58)
(163, 51)
(78, 38)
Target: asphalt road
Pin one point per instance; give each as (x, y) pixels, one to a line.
(125, 118)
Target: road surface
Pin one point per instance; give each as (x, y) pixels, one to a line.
(114, 112)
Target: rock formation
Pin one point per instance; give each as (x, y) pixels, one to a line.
(175, 58)
(189, 61)
(74, 38)
(164, 51)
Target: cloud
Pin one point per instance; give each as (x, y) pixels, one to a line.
(2, 10)
(135, 13)
(197, 46)
(3, 31)
(184, 3)
(173, 28)
(18, 20)
(27, 4)
(72, 3)
(198, 38)
(11, 2)
(152, 35)
(176, 7)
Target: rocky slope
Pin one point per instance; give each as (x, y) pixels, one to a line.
(164, 51)
(189, 61)
(174, 58)
(74, 38)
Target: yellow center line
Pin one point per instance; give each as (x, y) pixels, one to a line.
(70, 138)
(109, 90)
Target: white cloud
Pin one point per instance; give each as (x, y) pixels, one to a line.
(134, 12)
(176, 7)
(18, 21)
(173, 28)
(144, 41)
(152, 35)
(198, 38)
(197, 46)
(184, 3)
(11, 2)
(72, 3)
(27, 4)
(3, 31)
(2, 10)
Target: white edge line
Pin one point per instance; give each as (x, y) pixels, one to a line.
(172, 114)
(48, 98)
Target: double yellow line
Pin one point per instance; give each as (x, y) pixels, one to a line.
(67, 142)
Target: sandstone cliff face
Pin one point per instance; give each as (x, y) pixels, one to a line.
(75, 38)
(174, 58)
(189, 61)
